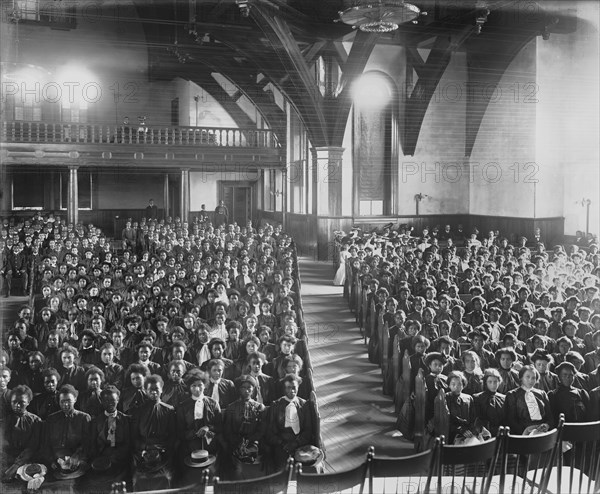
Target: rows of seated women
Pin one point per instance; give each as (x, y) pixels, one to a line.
(511, 334)
(164, 345)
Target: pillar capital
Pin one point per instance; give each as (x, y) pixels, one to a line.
(327, 152)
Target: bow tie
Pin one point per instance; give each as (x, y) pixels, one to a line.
(114, 414)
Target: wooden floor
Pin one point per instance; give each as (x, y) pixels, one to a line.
(354, 412)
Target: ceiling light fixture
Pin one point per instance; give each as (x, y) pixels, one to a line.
(378, 16)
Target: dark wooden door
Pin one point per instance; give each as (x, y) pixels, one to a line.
(238, 199)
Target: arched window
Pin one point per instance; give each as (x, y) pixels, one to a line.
(375, 144)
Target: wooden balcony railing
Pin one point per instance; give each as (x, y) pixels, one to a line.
(80, 133)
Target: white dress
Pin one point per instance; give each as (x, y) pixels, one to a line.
(340, 275)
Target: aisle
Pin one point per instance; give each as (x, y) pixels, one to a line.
(354, 412)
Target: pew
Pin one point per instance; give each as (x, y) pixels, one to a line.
(388, 385)
(441, 415)
(420, 398)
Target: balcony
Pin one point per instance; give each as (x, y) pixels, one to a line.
(61, 132)
(27, 142)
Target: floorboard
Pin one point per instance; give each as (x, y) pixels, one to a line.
(354, 412)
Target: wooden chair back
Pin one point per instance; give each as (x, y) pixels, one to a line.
(404, 474)
(578, 459)
(315, 483)
(121, 487)
(527, 461)
(468, 468)
(276, 483)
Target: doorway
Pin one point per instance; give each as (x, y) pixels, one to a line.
(238, 199)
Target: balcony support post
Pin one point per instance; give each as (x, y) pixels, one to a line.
(327, 175)
(166, 196)
(184, 195)
(73, 197)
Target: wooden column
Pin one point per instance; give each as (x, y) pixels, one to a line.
(184, 196)
(73, 197)
(166, 196)
(5, 192)
(327, 166)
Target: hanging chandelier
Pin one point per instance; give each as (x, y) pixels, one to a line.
(378, 16)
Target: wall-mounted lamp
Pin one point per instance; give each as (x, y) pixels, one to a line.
(586, 203)
(418, 198)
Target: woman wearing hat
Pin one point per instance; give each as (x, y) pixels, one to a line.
(478, 337)
(506, 358)
(244, 425)
(574, 403)
(434, 380)
(542, 361)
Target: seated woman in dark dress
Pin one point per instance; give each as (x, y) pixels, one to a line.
(461, 409)
(154, 435)
(175, 390)
(22, 431)
(32, 374)
(65, 433)
(472, 372)
(489, 404)
(506, 358)
(573, 402)
(198, 417)
(290, 423)
(293, 364)
(89, 400)
(527, 408)
(133, 394)
(244, 427)
(542, 361)
(46, 403)
(420, 344)
(110, 443)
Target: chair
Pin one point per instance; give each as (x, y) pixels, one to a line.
(276, 483)
(404, 474)
(527, 461)
(348, 480)
(578, 468)
(468, 467)
(120, 488)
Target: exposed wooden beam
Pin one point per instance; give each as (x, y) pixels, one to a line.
(212, 87)
(303, 93)
(313, 52)
(430, 74)
(339, 109)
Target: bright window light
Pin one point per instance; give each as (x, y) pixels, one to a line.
(371, 90)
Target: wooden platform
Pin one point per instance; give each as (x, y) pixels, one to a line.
(354, 412)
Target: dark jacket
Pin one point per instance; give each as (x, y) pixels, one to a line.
(517, 413)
